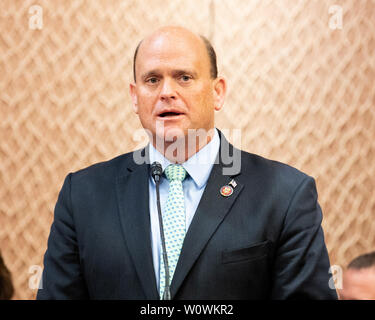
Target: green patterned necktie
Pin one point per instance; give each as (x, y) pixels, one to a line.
(173, 221)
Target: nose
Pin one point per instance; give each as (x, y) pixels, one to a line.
(167, 91)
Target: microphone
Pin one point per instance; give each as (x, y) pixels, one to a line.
(156, 171)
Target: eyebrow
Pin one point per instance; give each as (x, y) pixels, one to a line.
(185, 71)
(175, 73)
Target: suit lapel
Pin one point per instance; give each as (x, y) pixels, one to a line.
(133, 199)
(211, 211)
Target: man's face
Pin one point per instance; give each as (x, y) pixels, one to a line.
(173, 85)
(358, 284)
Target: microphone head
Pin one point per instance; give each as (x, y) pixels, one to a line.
(156, 170)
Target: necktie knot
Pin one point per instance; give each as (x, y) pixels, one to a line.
(175, 172)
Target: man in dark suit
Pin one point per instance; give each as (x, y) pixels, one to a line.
(250, 227)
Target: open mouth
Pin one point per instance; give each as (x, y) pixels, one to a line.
(169, 114)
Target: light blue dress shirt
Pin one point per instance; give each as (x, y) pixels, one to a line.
(198, 167)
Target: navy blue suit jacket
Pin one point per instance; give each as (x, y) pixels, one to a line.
(265, 241)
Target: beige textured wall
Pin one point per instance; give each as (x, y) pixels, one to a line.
(301, 93)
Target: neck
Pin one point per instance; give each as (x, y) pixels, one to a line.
(179, 150)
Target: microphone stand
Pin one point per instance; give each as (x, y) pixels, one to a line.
(156, 176)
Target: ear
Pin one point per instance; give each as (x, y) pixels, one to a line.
(220, 89)
(133, 94)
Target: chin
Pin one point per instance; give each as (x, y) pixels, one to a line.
(172, 134)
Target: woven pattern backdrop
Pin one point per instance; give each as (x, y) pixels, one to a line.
(301, 92)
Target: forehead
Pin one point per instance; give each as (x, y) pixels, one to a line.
(359, 283)
(172, 51)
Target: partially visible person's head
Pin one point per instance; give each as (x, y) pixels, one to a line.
(176, 82)
(6, 286)
(359, 279)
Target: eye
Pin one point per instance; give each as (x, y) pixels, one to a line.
(152, 80)
(185, 78)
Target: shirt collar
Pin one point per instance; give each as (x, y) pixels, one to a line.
(197, 166)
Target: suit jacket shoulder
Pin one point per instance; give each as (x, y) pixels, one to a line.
(272, 175)
(105, 169)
